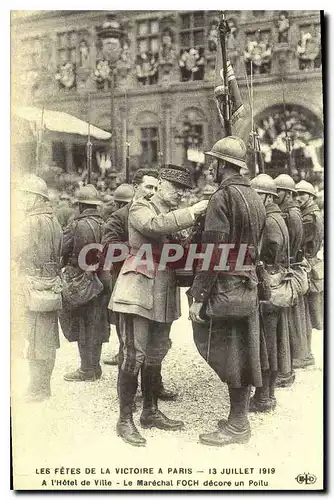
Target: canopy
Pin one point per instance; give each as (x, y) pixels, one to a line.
(59, 121)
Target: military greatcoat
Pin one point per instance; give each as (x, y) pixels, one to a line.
(143, 290)
(38, 252)
(296, 313)
(234, 348)
(274, 319)
(89, 320)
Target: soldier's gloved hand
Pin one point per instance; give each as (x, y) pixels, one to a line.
(199, 207)
(194, 312)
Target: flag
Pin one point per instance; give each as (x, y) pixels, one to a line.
(237, 107)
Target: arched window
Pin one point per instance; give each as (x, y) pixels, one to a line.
(300, 129)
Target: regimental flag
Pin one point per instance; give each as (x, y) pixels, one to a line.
(237, 108)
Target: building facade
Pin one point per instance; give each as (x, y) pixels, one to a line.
(148, 78)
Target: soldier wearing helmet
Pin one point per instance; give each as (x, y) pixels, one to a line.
(274, 319)
(235, 215)
(123, 194)
(312, 242)
(38, 253)
(86, 324)
(286, 190)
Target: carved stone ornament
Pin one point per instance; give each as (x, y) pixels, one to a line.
(191, 64)
(66, 75)
(167, 51)
(259, 52)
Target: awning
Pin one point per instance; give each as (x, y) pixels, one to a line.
(58, 121)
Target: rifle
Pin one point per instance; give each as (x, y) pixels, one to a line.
(89, 147)
(127, 144)
(39, 141)
(287, 137)
(254, 147)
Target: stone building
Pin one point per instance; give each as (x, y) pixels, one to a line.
(148, 77)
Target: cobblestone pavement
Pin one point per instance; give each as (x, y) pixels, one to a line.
(76, 427)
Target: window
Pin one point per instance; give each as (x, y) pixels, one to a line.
(309, 47)
(192, 32)
(148, 35)
(67, 47)
(147, 63)
(149, 145)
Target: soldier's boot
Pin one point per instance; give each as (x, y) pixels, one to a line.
(272, 385)
(260, 402)
(134, 407)
(236, 428)
(166, 394)
(96, 358)
(126, 429)
(113, 361)
(163, 394)
(86, 372)
(48, 367)
(151, 415)
(285, 379)
(38, 387)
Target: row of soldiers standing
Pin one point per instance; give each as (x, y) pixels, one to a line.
(243, 351)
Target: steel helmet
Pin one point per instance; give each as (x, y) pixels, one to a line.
(306, 187)
(285, 182)
(33, 184)
(231, 149)
(88, 195)
(124, 193)
(263, 183)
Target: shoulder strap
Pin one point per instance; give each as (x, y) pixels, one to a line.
(97, 238)
(155, 208)
(257, 248)
(288, 239)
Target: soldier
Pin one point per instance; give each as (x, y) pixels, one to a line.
(313, 236)
(123, 194)
(148, 301)
(115, 230)
(86, 324)
(64, 212)
(286, 191)
(273, 319)
(230, 345)
(38, 257)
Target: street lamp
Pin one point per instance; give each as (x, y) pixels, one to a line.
(110, 35)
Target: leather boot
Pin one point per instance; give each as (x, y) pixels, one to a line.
(272, 385)
(126, 429)
(39, 383)
(260, 402)
(96, 358)
(285, 380)
(236, 429)
(151, 416)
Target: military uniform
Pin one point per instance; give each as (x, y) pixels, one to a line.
(231, 346)
(87, 324)
(296, 313)
(148, 301)
(312, 241)
(38, 252)
(273, 319)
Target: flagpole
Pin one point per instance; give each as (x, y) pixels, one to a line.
(223, 30)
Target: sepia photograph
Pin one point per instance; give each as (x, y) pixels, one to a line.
(167, 250)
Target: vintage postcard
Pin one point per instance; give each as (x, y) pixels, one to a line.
(167, 282)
